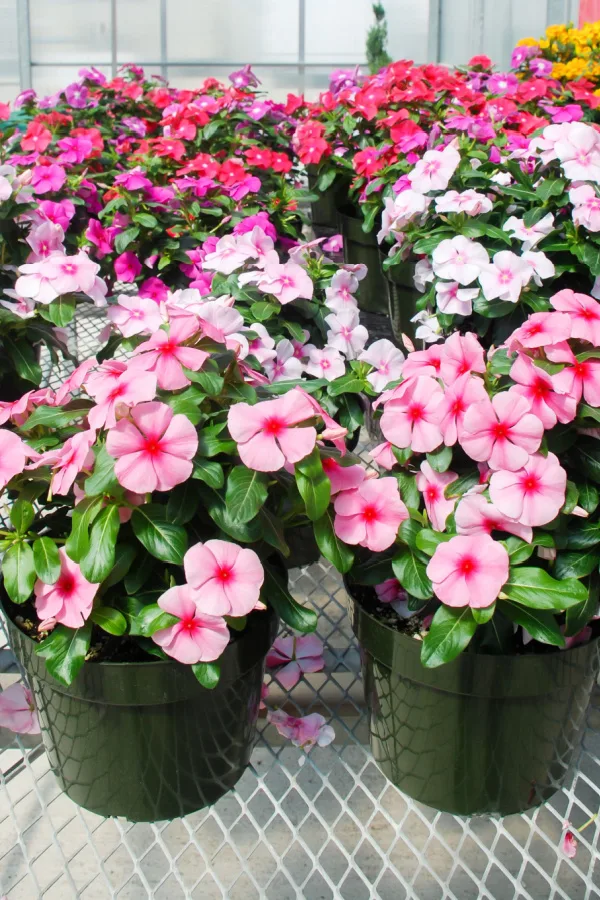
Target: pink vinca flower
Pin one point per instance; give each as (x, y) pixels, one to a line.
(578, 150)
(75, 455)
(339, 295)
(569, 844)
(532, 234)
(69, 600)
(229, 254)
(462, 354)
(586, 204)
(411, 418)
(135, 315)
(451, 299)
(292, 656)
(342, 478)
(284, 366)
(225, 578)
(127, 266)
(387, 362)
(154, 449)
(197, 637)
(265, 433)
(327, 363)
(117, 396)
(503, 432)
(13, 456)
(459, 259)
(468, 571)
(432, 485)
(543, 393)
(434, 170)
(535, 494)
(459, 396)
(17, 710)
(476, 515)
(304, 732)
(287, 282)
(580, 379)
(540, 330)
(346, 333)
(166, 354)
(584, 312)
(505, 277)
(371, 514)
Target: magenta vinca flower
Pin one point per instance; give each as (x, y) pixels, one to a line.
(225, 578)
(370, 514)
(468, 571)
(154, 449)
(17, 710)
(197, 637)
(265, 433)
(533, 495)
(69, 600)
(292, 656)
(502, 432)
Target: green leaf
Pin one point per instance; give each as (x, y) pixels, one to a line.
(161, 539)
(210, 382)
(332, 548)
(579, 616)
(152, 618)
(374, 570)
(146, 220)
(571, 498)
(483, 614)
(440, 459)
(262, 310)
(125, 238)
(208, 674)
(65, 650)
(411, 572)
(541, 625)
(273, 531)
(124, 557)
(60, 312)
(346, 384)
(209, 443)
(182, 503)
(46, 560)
(590, 256)
(409, 531)
(110, 620)
(22, 515)
(535, 588)
(519, 551)
(409, 492)
(589, 497)
(53, 417)
(18, 571)
(103, 477)
(313, 484)
(449, 634)
(97, 563)
(84, 513)
(550, 187)
(275, 593)
(23, 358)
(246, 493)
(237, 623)
(211, 473)
(462, 484)
(428, 540)
(327, 178)
(577, 563)
(583, 534)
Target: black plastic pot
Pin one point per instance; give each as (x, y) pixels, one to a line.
(323, 212)
(362, 247)
(482, 734)
(145, 740)
(303, 547)
(402, 298)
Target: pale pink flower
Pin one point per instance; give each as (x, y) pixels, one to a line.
(346, 333)
(69, 600)
(459, 396)
(462, 354)
(69, 274)
(45, 239)
(434, 170)
(284, 366)
(468, 571)
(532, 234)
(154, 451)
(424, 362)
(578, 150)
(569, 845)
(265, 432)
(118, 395)
(293, 656)
(135, 315)
(504, 277)
(399, 210)
(166, 354)
(75, 455)
(584, 312)
(387, 362)
(16, 410)
(451, 299)
(432, 485)
(342, 478)
(423, 275)
(476, 515)
(197, 637)
(541, 390)
(383, 455)
(586, 204)
(339, 295)
(535, 494)
(411, 418)
(261, 347)
(540, 266)
(470, 202)
(230, 254)
(225, 578)
(327, 363)
(502, 432)
(581, 378)
(222, 323)
(287, 282)
(17, 710)
(13, 456)
(459, 259)
(33, 284)
(304, 732)
(540, 330)
(258, 244)
(370, 514)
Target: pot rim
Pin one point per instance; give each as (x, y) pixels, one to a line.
(480, 674)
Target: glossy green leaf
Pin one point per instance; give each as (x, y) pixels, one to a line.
(103, 477)
(209, 471)
(65, 650)
(483, 614)
(576, 563)
(99, 560)
(151, 618)
(330, 545)
(409, 492)
(273, 531)
(18, 571)
(22, 515)
(124, 558)
(208, 674)
(540, 624)
(23, 358)
(276, 594)
(579, 616)
(183, 503)
(110, 620)
(449, 634)
(78, 541)
(163, 540)
(53, 417)
(46, 560)
(411, 572)
(535, 588)
(246, 493)
(60, 312)
(314, 485)
(428, 540)
(440, 459)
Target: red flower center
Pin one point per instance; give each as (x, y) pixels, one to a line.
(432, 492)
(500, 431)
(274, 427)
(152, 446)
(66, 583)
(369, 514)
(531, 483)
(540, 388)
(415, 412)
(467, 565)
(224, 573)
(168, 348)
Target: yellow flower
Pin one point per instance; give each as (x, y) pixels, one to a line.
(544, 44)
(527, 42)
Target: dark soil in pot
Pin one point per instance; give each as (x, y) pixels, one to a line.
(144, 739)
(483, 734)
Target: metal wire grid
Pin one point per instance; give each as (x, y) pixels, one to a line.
(323, 825)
